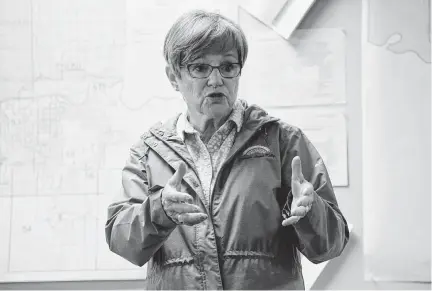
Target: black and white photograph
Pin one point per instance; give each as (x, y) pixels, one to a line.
(215, 144)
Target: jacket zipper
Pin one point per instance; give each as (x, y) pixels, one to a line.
(235, 154)
(216, 183)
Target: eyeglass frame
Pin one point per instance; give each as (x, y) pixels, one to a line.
(213, 67)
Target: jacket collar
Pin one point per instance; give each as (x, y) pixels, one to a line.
(163, 135)
(236, 117)
(254, 118)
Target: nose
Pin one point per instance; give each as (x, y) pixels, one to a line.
(215, 78)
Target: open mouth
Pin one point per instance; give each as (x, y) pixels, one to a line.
(216, 95)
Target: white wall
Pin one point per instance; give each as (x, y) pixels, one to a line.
(396, 141)
(346, 272)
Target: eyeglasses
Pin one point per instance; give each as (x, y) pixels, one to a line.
(202, 71)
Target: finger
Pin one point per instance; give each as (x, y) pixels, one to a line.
(307, 189)
(182, 208)
(297, 174)
(291, 220)
(296, 177)
(296, 188)
(176, 179)
(302, 201)
(193, 218)
(179, 197)
(300, 211)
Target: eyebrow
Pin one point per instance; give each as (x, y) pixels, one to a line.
(231, 54)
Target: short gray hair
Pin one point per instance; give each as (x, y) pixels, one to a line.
(197, 31)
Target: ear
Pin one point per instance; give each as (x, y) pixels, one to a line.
(171, 77)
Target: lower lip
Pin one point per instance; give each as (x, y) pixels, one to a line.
(216, 97)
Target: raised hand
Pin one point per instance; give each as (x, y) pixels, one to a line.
(303, 194)
(179, 205)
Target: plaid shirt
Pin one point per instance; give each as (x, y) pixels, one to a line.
(209, 157)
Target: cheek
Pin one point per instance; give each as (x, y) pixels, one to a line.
(236, 86)
(198, 88)
(233, 89)
(192, 90)
(193, 94)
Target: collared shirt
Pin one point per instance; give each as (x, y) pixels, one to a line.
(209, 157)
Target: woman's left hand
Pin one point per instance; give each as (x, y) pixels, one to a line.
(303, 194)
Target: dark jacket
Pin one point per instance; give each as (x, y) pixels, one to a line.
(242, 245)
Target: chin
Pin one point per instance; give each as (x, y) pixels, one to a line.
(216, 107)
(217, 110)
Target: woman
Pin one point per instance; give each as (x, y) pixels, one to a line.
(222, 196)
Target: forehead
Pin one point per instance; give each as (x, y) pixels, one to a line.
(214, 55)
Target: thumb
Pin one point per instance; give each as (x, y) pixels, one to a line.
(175, 180)
(297, 174)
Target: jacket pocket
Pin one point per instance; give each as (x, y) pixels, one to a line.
(248, 254)
(256, 151)
(178, 261)
(178, 247)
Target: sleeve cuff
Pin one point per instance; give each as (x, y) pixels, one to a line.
(311, 221)
(158, 214)
(312, 217)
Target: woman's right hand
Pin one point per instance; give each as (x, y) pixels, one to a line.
(179, 205)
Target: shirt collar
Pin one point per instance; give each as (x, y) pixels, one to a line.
(236, 116)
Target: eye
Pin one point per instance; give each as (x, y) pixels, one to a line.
(199, 68)
(227, 67)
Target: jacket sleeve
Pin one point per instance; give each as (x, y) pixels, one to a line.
(323, 233)
(137, 225)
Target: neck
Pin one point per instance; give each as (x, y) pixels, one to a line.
(205, 125)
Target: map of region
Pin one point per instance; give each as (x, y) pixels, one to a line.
(80, 81)
(64, 131)
(404, 30)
